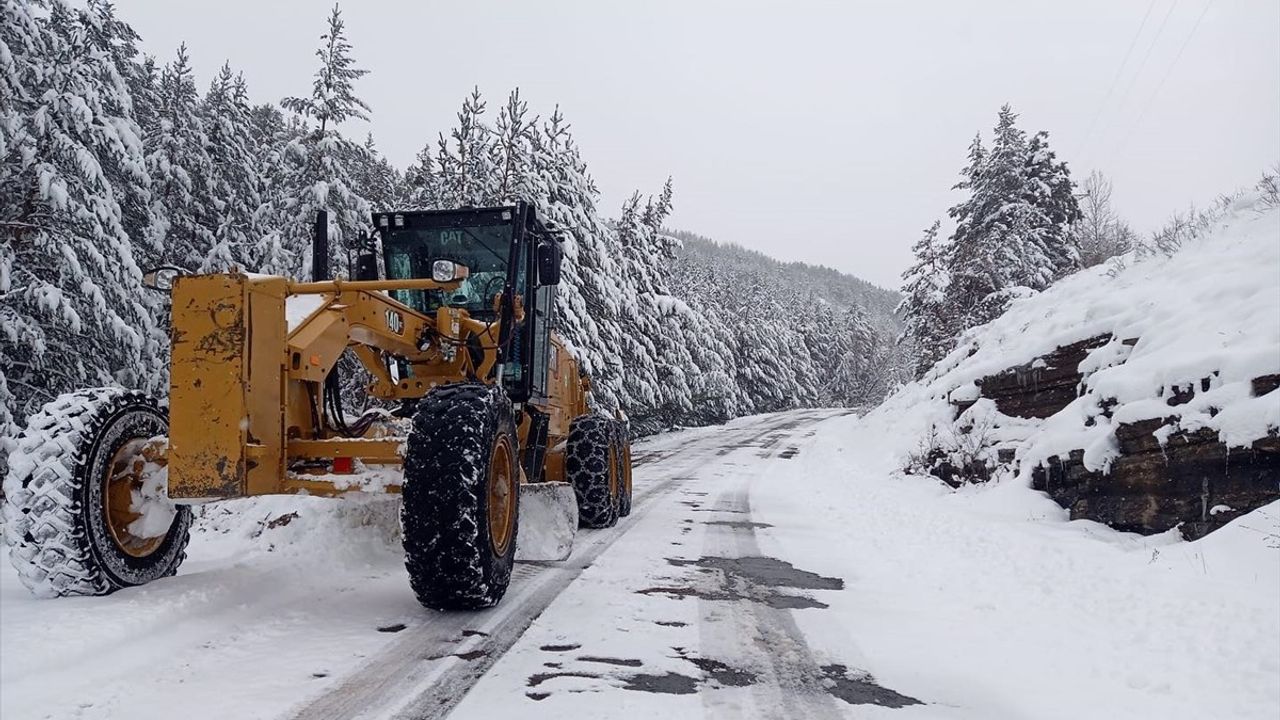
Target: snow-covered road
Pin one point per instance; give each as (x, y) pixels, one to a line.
(299, 607)
(776, 567)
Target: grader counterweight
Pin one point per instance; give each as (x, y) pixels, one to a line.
(456, 334)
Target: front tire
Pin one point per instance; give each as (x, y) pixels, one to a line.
(591, 467)
(461, 497)
(85, 511)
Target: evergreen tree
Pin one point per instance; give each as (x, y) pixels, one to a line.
(312, 171)
(235, 172)
(72, 308)
(1049, 187)
(926, 322)
(466, 169)
(1013, 233)
(373, 177)
(183, 218)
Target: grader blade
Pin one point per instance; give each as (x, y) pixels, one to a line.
(548, 522)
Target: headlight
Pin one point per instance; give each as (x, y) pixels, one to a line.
(444, 270)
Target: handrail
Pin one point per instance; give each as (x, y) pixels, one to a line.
(338, 286)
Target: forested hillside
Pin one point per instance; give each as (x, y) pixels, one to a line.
(112, 161)
(798, 334)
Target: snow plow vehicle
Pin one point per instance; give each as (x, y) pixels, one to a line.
(452, 321)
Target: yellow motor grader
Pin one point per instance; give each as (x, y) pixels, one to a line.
(453, 323)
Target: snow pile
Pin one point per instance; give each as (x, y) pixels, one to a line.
(349, 530)
(1208, 317)
(548, 521)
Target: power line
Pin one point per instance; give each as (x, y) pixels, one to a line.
(1142, 65)
(1169, 71)
(1119, 72)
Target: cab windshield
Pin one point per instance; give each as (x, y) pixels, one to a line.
(485, 250)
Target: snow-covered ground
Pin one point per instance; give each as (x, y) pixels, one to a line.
(777, 567)
(977, 604)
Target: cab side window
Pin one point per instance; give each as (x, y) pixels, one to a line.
(543, 317)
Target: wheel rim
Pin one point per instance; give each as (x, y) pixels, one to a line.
(123, 476)
(501, 496)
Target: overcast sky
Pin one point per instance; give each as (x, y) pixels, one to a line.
(823, 132)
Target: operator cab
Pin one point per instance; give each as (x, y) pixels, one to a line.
(506, 250)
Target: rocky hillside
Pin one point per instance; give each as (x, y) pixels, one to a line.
(1141, 394)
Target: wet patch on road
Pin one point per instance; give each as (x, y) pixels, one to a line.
(471, 655)
(713, 673)
(623, 662)
(767, 571)
(738, 524)
(723, 674)
(392, 628)
(670, 683)
(559, 648)
(861, 689)
(538, 678)
(757, 579)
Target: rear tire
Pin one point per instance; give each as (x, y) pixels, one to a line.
(590, 466)
(59, 523)
(461, 497)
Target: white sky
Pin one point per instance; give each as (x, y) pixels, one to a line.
(827, 132)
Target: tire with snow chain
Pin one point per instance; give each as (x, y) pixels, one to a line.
(622, 438)
(461, 497)
(85, 511)
(590, 465)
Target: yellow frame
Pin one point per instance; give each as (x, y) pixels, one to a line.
(245, 388)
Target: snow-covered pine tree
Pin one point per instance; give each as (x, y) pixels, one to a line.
(588, 300)
(373, 177)
(926, 320)
(1050, 188)
(107, 34)
(312, 174)
(465, 168)
(1013, 231)
(183, 214)
(421, 184)
(236, 176)
(969, 277)
(72, 308)
(513, 153)
(273, 134)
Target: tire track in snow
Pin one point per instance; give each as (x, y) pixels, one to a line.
(790, 680)
(425, 672)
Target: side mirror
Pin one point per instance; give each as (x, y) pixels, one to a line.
(163, 277)
(549, 254)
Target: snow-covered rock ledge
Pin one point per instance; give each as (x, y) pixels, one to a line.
(1143, 395)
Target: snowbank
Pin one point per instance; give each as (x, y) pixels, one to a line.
(1208, 317)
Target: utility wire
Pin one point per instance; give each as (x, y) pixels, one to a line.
(1169, 71)
(1142, 65)
(1119, 72)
